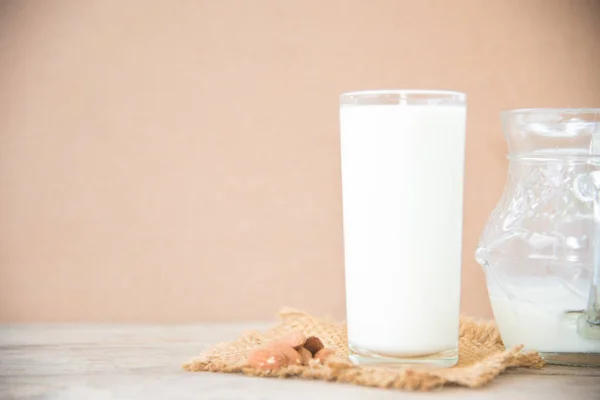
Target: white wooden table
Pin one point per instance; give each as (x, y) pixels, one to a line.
(123, 362)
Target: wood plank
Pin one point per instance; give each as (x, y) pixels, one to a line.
(144, 362)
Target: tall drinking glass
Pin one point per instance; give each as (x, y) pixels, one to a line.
(402, 179)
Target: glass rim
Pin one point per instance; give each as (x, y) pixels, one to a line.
(542, 111)
(406, 92)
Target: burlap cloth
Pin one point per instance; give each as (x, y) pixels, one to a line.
(482, 357)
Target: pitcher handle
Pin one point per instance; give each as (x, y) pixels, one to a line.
(588, 323)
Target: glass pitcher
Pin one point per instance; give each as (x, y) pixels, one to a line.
(540, 248)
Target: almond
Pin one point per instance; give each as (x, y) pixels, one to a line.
(306, 355)
(322, 355)
(295, 339)
(267, 359)
(292, 356)
(313, 344)
(337, 362)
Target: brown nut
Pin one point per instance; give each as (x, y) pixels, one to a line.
(323, 354)
(306, 355)
(292, 356)
(267, 359)
(295, 339)
(313, 344)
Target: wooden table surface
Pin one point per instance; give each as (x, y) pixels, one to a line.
(123, 362)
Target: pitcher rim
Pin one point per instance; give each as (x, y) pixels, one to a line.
(541, 110)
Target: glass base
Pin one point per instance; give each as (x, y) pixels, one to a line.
(576, 359)
(444, 359)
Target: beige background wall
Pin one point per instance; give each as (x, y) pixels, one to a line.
(178, 161)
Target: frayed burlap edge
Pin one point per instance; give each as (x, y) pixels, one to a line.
(482, 357)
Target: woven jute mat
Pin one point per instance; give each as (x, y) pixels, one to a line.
(482, 357)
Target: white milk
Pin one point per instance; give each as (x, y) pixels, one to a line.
(542, 326)
(402, 170)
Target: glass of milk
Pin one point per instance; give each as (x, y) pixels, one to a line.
(402, 179)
